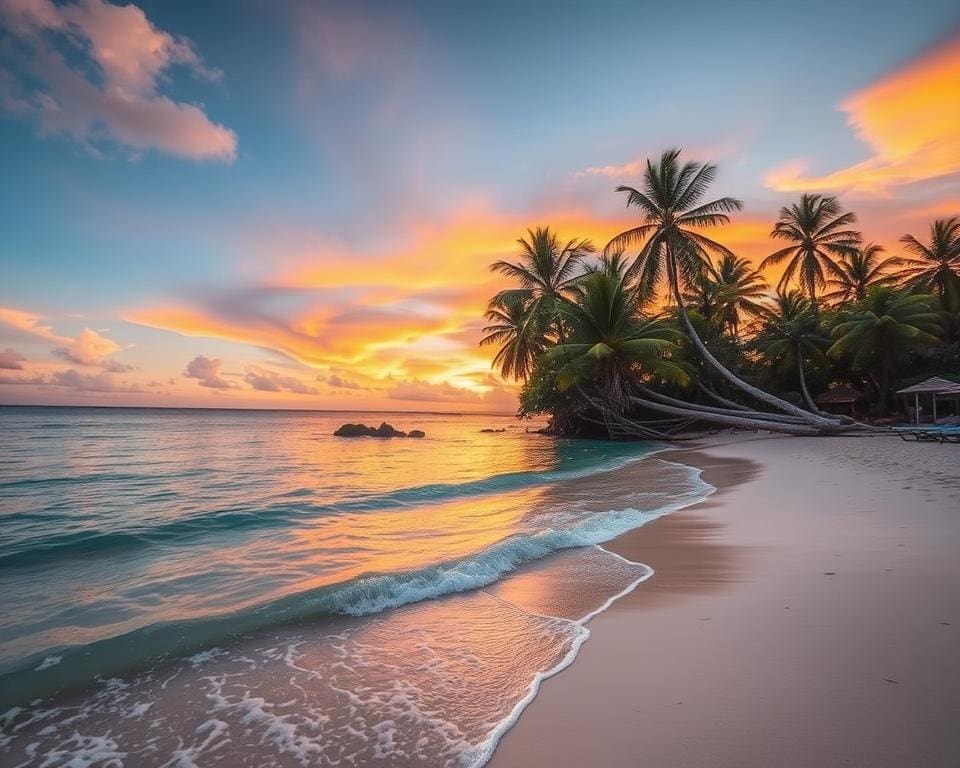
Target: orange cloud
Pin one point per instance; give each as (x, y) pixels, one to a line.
(909, 119)
(32, 324)
(414, 314)
(403, 322)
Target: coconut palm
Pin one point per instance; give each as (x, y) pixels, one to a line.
(741, 290)
(673, 248)
(516, 326)
(859, 270)
(610, 344)
(887, 323)
(819, 234)
(792, 334)
(548, 269)
(936, 266)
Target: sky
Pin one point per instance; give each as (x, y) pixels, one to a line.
(295, 205)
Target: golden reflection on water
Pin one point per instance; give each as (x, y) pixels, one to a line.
(408, 537)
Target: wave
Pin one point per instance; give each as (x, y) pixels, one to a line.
(363, 596)
(29, 552)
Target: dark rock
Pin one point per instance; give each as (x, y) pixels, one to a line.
(354, 430)
(384, 430)
(387, 430)
(493, 430)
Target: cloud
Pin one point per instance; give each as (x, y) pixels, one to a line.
(32, 324)
(632, 168)
(103, 382)
(90, 348)
(11, 360)
(111, 94)
(268, 381)
(91, 382)
(497, 398)
(424, 391)
(909, 119)
(335, 380)
(207, 371)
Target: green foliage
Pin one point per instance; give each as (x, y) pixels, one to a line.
(611, 343)
(671, 204)
(582, 332)
(819, 233)
(879, 330)
(792, 332)
(519, 329)
(859, 270)
(935, 266)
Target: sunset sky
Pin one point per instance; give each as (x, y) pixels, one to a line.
(260, 204)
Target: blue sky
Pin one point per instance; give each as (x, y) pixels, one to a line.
(346, 171)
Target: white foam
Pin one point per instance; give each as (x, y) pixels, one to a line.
(482, 752)
(50, 661)
(83, 751)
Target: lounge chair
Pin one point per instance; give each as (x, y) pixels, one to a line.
(937, 434)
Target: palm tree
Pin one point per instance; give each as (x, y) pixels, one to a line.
(819, 233)
(741, 288)
(672, 211)
(519, 330)
(859, 270)
(936, 267)
(547, 269)
(887, 323)
(791, 334)
(611, 345)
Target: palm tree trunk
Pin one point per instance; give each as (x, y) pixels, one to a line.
(722, 400)
(885, 385)
(811, 403)
(726, 420)
(755, 392)
(776, 418)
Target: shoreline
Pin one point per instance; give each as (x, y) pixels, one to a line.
(804, 614)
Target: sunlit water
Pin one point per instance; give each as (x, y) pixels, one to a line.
(198, 587)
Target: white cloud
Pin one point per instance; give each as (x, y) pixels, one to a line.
(122, 105)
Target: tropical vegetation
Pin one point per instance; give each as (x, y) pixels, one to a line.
(666, 330)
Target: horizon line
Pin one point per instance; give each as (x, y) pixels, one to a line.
(239, 408)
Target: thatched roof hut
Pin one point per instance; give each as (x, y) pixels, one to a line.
(839, 398)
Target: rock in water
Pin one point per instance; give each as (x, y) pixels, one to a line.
(353, 430)
(384, 430)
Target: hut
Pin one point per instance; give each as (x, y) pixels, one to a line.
(932, 388)
(840, 400)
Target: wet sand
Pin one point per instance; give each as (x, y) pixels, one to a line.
(807, 614)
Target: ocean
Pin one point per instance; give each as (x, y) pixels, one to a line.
(218, 587)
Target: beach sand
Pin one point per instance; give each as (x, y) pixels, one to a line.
(807, 614)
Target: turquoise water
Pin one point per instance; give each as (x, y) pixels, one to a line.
(257, 551)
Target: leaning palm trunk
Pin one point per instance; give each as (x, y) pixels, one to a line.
(747, 421)
(811, 403)
(722, 400)
(773, 418)
(755, 392)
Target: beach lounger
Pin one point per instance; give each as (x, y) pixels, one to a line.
(938, 434)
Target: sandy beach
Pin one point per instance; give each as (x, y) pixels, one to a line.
(807, 614)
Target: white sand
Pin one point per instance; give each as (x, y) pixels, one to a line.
(741, 651)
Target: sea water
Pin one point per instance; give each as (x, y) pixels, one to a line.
(200, 587)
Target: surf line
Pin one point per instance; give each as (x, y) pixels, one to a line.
(481, 753)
